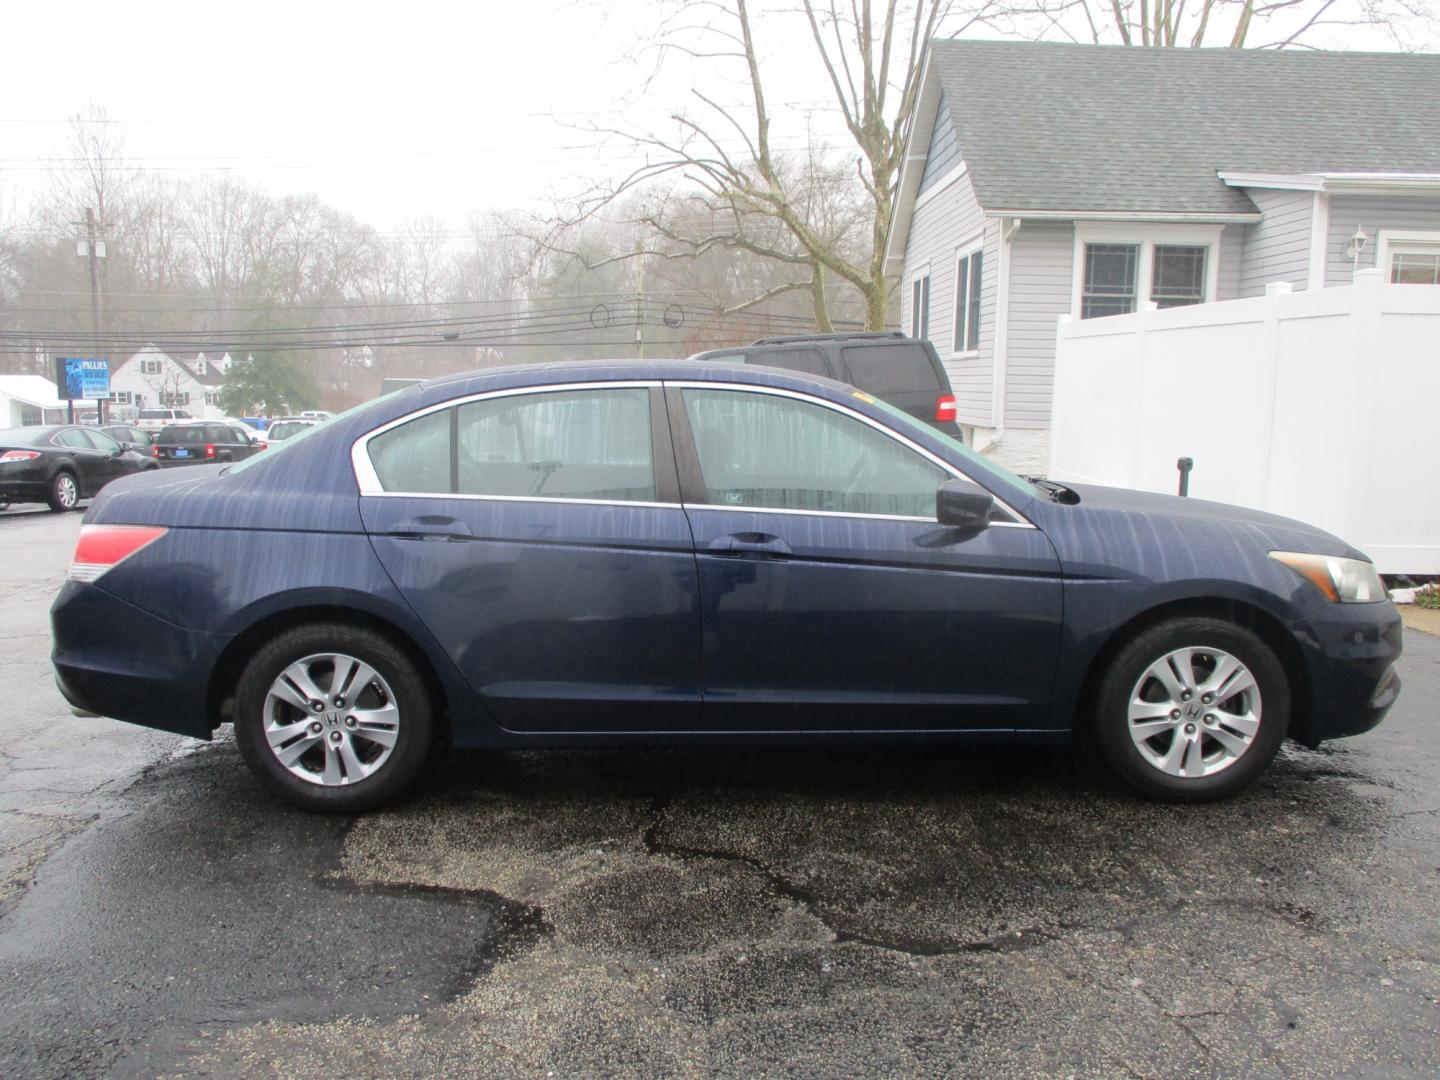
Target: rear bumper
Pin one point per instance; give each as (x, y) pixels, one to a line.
(113, 659)
(1353, 649)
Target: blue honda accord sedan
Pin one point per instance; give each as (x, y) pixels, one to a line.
(626, 552)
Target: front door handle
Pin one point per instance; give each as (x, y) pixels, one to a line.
(750, 543)
(430, 527)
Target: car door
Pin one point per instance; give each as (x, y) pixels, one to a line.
(539, 536)
(92, 465)
(114, 463)
(831, 599)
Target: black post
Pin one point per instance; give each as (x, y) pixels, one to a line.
(1185, 464)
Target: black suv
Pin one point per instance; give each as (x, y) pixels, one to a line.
(202, 443)
(902, 370)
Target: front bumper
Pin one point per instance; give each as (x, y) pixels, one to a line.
(113, 659)
(1351, 651)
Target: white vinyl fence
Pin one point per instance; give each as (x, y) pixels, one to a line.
(1320, 405)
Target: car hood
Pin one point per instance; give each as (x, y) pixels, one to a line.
(1202, 521)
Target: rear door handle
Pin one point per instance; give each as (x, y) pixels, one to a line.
(750, 543)
(430, 527)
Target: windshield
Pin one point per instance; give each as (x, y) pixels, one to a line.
(909, 424)
(286, 442)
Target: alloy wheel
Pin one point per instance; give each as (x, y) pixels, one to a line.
(66, 492)
(331, 719)
(1194, 711)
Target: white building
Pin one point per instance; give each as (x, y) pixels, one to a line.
(153, 379)
(27, 400)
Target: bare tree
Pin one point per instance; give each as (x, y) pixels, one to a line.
(800, 210)
(1266, 24)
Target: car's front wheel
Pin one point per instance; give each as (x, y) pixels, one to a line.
(334, 717)
(1192, 709)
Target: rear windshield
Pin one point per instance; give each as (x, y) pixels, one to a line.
(185, 435)
(25, 436)
(163, 414)
(886, 370)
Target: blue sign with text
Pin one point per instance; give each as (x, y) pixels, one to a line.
(82, 379)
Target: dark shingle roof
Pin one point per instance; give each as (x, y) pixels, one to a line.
(1096, 128)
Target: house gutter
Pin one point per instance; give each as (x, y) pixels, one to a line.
(1008, 228)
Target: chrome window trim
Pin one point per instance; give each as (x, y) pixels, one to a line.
(1020, 521)
(368, 481)
(521, 499)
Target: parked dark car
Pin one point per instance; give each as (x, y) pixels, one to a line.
(611, 553)
(902, 370)
(61, 465)
(130, 436)
(200, 442)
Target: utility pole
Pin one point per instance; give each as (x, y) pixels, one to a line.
(639, 302)
(92, 246)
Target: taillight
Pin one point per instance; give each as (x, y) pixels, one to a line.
(18, 455)
(261, 444)
(102, 546)
(945, 407)
(154, 451)
(209, 450)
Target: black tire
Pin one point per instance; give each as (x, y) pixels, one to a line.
(1122, 677)
(410, 696)
(64, 492)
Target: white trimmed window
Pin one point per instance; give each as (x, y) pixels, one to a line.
(1409, 258)
(969, 271)
(149, 367)
(212, 397)
(920, 305)
(120, 397)
(1120, 268)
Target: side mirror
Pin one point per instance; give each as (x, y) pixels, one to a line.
(962, 505)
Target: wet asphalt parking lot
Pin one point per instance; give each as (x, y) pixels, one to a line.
(877, 912)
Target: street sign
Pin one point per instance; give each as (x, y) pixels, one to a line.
(77, 379)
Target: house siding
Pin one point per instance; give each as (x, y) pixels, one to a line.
(1042, 260)
(1373, 213)
(1229, 281)
(944, 150)
(1277, 248)
(937, 229)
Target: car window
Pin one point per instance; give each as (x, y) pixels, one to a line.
(103, 441)
(415, 456)
(808, 361)
(891, 369)
(780, 453)
(183, 435)
(73, 438)
(581, 444)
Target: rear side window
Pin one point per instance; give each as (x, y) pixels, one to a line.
(891, 369)
(584, 444)
(808, 361)
(154, 414)
(75, 439)
(416, 456)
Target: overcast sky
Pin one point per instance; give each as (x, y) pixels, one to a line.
(390, 111)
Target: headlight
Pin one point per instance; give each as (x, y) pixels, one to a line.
(1343, 581)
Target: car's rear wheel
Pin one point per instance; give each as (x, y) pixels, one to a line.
(334, 717)
(1192, 709)
(64, 492)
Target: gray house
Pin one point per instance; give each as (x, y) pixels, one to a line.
(1048, 179)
